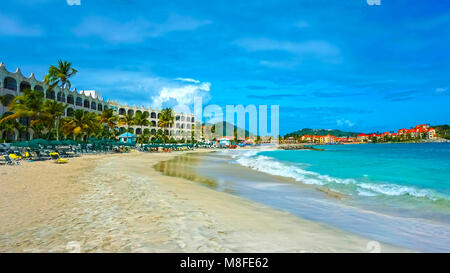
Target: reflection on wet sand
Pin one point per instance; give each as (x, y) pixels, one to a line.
(183, 166)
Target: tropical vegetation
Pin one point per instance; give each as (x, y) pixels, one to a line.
(60, 75)
(46, 118)
(319, 132)
(442, 131)
(166, 118)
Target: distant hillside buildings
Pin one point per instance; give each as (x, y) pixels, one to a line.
(421, 131)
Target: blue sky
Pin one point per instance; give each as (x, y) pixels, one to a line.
(328, 64)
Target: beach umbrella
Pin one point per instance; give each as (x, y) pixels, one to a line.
(56, 143)
(20, 144)
(70, 142)
(39, 141)
(93, 139)
(106, 141)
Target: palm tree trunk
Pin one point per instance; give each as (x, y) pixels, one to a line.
(26, 132)
(57, 128)
(49, 132)
(57, 119)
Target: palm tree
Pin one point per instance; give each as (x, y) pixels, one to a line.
(141, 119)
(127, 120)
(92, 120)
(160, 135)
(38, 128)
(80, 123)
(60, 75)
(29, 105)
(109, 118)
(166, 119)
(52, 112)
(10, 125)
(143, 138)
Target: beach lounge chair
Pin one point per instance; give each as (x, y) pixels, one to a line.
(26, 155)
(35, 157)
(15, 156)
(63, 153)
(10, 161)
(40, 156)
(58, 160)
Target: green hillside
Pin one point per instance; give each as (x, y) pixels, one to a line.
(236, 129)
(442, 131)
(308, 131)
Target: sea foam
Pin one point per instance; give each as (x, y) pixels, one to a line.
(272, 166)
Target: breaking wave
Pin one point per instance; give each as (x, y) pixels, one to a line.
(272, 166)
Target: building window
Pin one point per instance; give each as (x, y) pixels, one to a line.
(24, 85)
(70, 99)
(10, 83)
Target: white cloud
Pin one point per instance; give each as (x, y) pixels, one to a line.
(187, 80)
(142, 88)
(135, 30)
(12, 27)
(344, 122)
(319, 48)
(279, 64)
(441, 90)
(183, 95)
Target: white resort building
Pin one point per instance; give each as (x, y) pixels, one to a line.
(13, 83)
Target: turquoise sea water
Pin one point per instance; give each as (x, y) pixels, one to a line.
(394, 193)
(410, 172)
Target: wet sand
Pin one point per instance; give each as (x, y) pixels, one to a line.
(120, 203)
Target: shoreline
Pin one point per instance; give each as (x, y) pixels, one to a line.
(119, 203)
(382, 216)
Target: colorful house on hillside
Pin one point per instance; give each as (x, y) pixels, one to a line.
(307, 138)
(419, 131)
(361, 137)
(289, 140)
(431, 133)
(346, 139)
(328, 139)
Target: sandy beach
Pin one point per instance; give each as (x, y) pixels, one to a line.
(120, 203)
